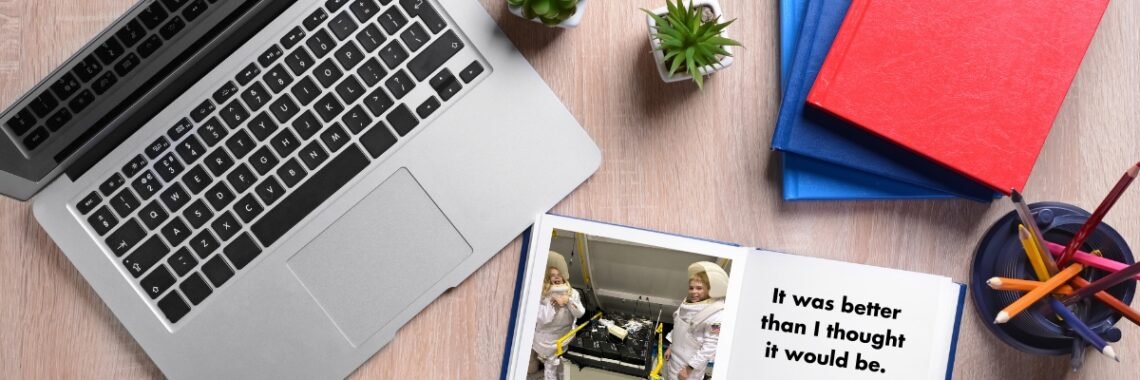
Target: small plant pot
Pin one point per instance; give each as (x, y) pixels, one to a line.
(659, 56)
(571, 22)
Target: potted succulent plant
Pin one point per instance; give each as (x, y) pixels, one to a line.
(555, 13)
(689, 41)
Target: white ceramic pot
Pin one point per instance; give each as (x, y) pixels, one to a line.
(659, 56)
(571, 22)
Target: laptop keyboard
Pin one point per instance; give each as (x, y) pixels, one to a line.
(55, 108)
(268, 147)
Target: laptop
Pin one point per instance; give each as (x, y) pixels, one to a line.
(272, 188)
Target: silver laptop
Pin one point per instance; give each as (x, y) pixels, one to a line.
(272, 188)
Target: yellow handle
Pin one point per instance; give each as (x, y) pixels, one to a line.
(558, 344)
(656, 374)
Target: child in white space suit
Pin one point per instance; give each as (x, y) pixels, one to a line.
(696, 323)
(560, 306)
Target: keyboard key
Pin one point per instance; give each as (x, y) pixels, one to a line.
(315, 19)
(370, 38)
(262, 126)
(248, 74)
(153, 16)
(81, 101)
(435, 55)
(172, 27)
(131, 33)
(393, 54)
(350, 89)
(307, 197)
(392, 20)
(65, 86)
(190, 150)
(263, 160)
(372, 72)
(328, 73)
(181, 128)
(248, 208)
(241, 178)
(37, 137)
(202, 111)
(197, 214)
(399, 84)
(203, 244)
(224, 93)
(240, 144)
(402, 120)
(378, 102)
(349, 56)
(234, 114)
(217, 271)
(269, 190)
(284, 143)
(124, 203)
(277, 79)
(195, 288)
(111, 184)
(174, 197)
(109, 51)
(125, 238)
(219, 162)
(88, 69)
(127, 64)
(173, 5)
(225, 226)
(156, 283)
(356, 119)
(194, 10)
(153, 215)
(293, 37)
(143, 258)
(377, 140)
(299, 61)
(342, 26)
(183, 262)
(313, 155)
(427, 107)
(219, 196)
(102, 221)
(305, 91)
(291, 173)
(104, 83)
(284, 109)
(329, 107)
(365, 9)
(168, 167)
(134, 166)
(424, 10)
(147, 185)
(149, 46)
(321, 43)
(58, 119)
(42, 105)
(176, 232)
(22, 122)
(158, 147)
(270, 56)
(88, 203)
(445, 84)
(334, 5)
(173, 307)
(307, 125)
(415, 37)
(334, 138)
(242, 251)
(255, 97)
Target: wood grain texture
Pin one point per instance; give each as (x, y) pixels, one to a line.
(676, 160)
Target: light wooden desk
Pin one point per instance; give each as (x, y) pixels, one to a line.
(676, 160)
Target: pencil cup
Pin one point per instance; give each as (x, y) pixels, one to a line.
(1000, 254)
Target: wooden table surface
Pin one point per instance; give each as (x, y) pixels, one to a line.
(676, 159)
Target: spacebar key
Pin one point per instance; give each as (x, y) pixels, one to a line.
(309, 195)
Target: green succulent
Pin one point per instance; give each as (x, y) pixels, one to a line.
(550, 12)
(689, 41)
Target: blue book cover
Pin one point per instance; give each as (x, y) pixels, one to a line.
(791, 19)
(812, 133)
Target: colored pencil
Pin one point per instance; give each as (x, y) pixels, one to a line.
(1105, 282)
(1032, 253)
(1038, 293)
(1031, 223)
(1107, 299)
(1019, 285)
(1082, 329)
(1099, 213)
(1102, 263)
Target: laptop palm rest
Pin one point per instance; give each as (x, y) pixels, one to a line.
(380, 256)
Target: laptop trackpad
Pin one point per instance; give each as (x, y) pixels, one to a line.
(379, 257)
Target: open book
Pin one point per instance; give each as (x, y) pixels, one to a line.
(644, 304)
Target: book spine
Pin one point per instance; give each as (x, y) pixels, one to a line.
(508, 349)
(957, 328)
(790, 112)
(838, 51)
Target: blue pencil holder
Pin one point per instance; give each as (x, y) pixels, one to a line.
(1000, 254)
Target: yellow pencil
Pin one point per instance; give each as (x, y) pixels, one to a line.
(1033, 253)
(1019, 285)
(1039, 292)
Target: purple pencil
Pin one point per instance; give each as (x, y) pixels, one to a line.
(1082, 329)
(1104, 283)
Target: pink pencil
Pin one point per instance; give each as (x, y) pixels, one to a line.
(1107, 265)
(1098, 214)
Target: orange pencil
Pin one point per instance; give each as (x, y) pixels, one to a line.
(1109, 300)
(1039, 292)
(1019, 285)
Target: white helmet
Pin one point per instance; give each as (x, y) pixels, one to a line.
(718, 278)
(556, 260)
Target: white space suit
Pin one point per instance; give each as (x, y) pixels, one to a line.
(555, 321)
(696, 327)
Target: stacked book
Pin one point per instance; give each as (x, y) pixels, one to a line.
(895, 99)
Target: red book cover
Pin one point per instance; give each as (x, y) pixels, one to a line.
(972, 84)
